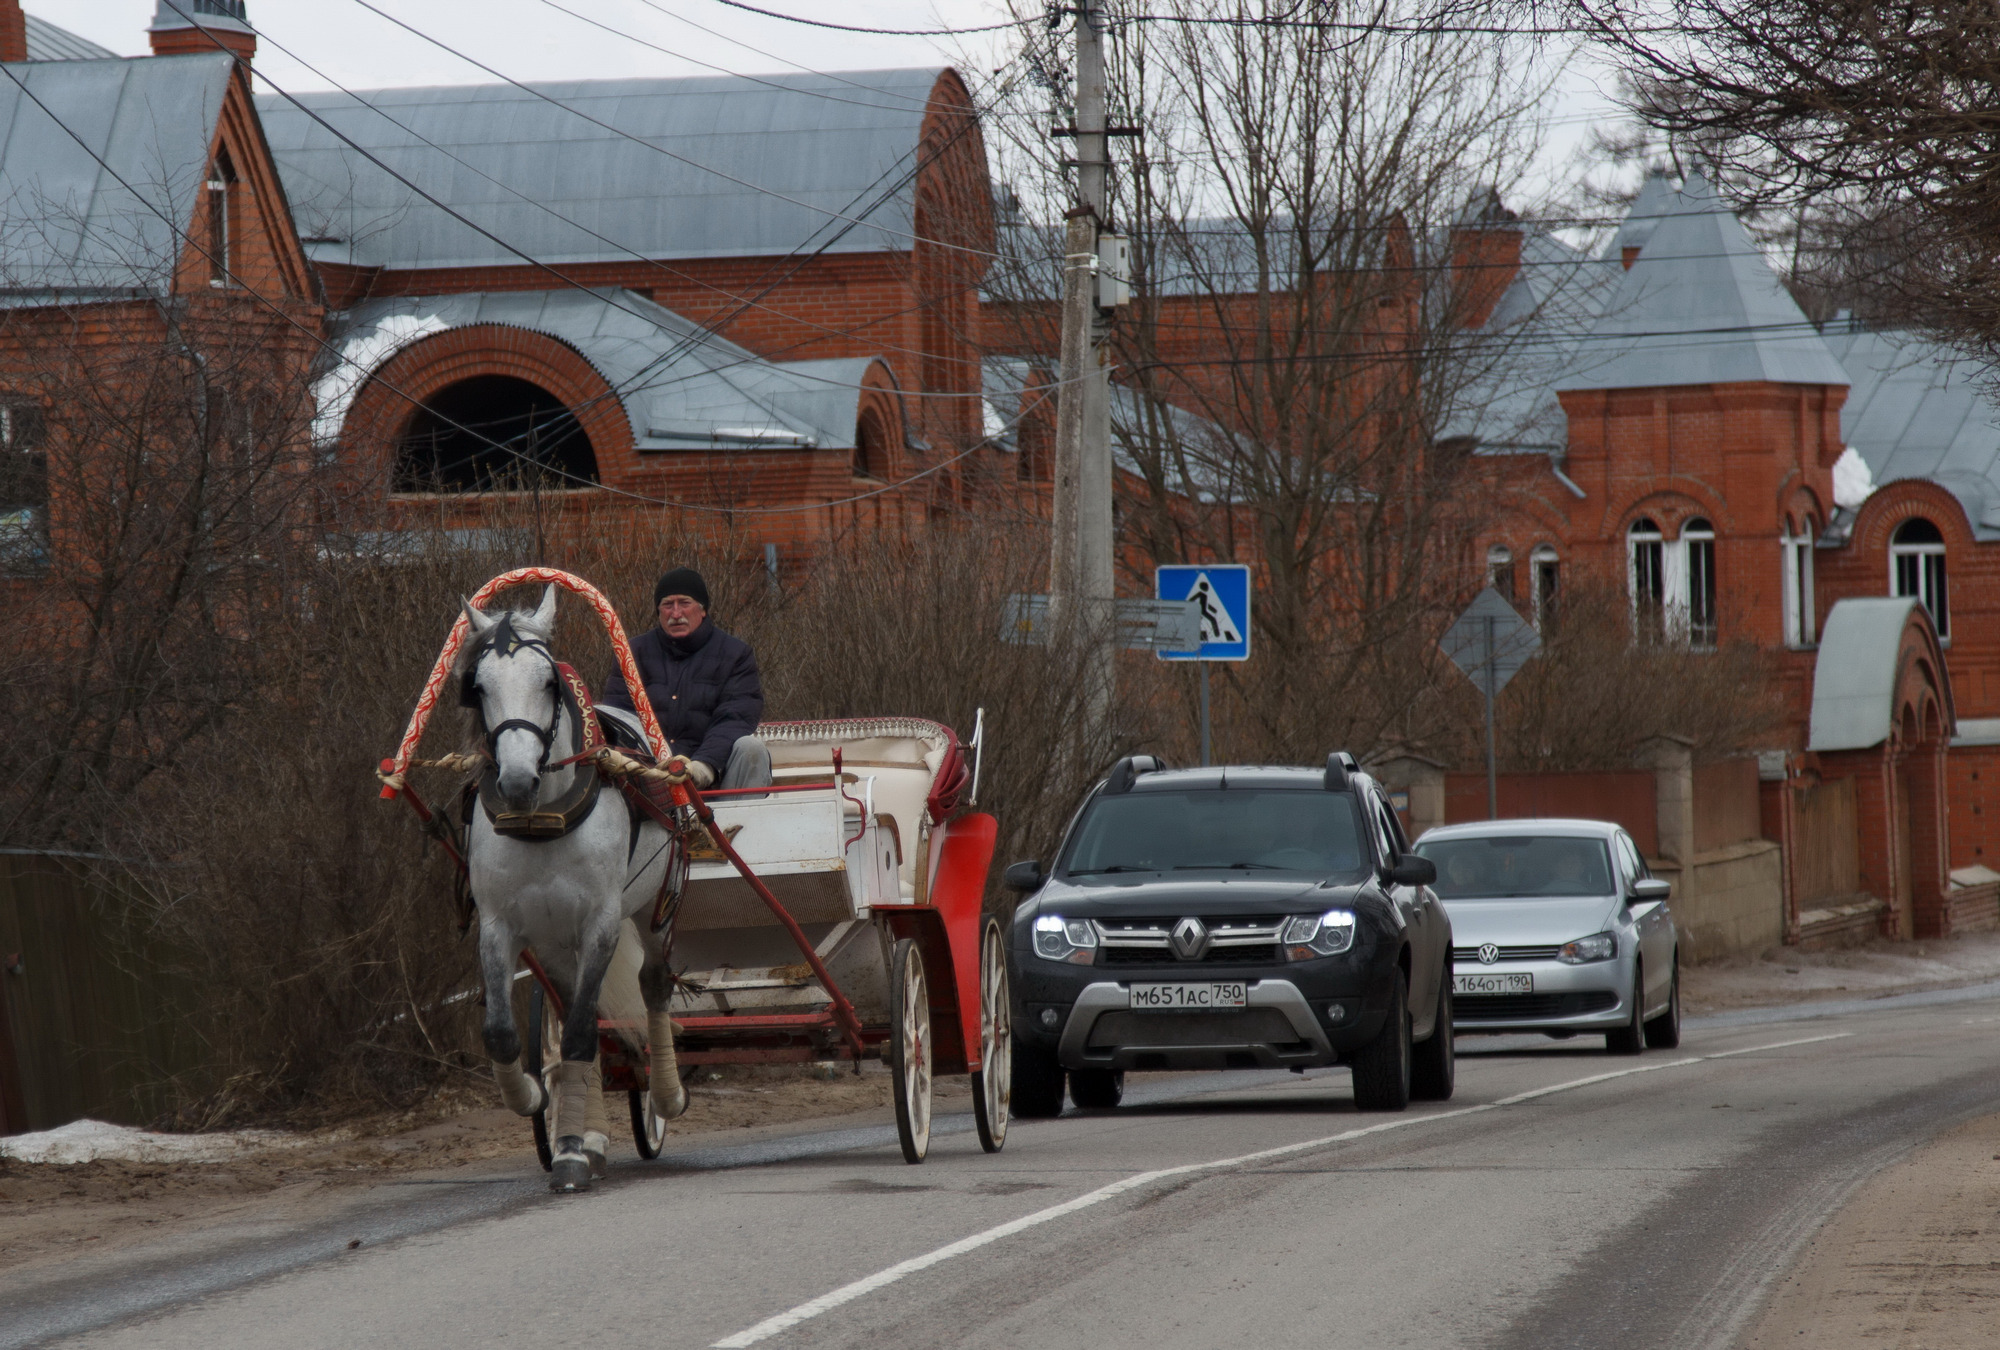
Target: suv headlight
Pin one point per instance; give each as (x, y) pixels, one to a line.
(1306, 936)
(1060, 939)
(1596, 947)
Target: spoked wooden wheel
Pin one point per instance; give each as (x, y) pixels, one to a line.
(910, 1049)
(993, 1085)
(533, 1055)
(649, 1130)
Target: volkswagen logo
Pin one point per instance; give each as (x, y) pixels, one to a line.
(1189, 939)
(1488, 954)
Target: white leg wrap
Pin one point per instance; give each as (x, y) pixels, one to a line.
(595, 1121)
(522, 1094)
(670, 1097)
(572, 1083)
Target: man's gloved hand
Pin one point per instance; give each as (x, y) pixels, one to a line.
(700, 775)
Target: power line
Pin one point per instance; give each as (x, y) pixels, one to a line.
(660, 149)
(878, 32)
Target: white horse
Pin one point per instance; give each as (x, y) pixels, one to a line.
(564, 895)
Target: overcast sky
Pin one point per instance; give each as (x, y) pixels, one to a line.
(315, 44)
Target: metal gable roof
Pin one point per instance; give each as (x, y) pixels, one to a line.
(46, 42)
(1700, 306)
(1854, 675)
(682, 387)
(766, 165)
(1918, 409)
(65, 223)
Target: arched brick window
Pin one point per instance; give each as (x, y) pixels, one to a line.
(1697, 559)
(1646, 577)
(493, 433)
(871, 446)
(1546, 569)
(1500, 570)
(1796, 562)
(1916, 567)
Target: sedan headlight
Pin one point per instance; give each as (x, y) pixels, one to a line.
(1306, 936)
(1596, 947)
(1060, 939)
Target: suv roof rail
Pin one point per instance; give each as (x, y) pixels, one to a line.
(1339, 765)
(1126, 770)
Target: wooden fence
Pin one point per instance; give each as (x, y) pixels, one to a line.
(90, 1024)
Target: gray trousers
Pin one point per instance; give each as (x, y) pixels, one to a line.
(749, 764)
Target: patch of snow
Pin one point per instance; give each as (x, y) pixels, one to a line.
(83, 1141)
(360, 356)
(1853, 480)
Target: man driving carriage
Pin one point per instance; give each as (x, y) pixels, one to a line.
(703, 685)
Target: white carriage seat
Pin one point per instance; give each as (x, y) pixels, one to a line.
(901, 754)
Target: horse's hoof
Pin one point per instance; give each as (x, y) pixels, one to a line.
(570, 1173)
(674, 1109)
(595, 1146)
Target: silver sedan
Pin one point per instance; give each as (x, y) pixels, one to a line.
(1557, 927)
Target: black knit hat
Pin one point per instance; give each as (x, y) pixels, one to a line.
(682, 581)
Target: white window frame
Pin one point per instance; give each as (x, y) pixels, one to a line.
(1796, 567)
(1544, 556)
(1926, 576)
(1652, 540)
(1697, 630)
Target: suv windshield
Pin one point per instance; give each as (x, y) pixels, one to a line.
(1213, 828)
(1517, 865)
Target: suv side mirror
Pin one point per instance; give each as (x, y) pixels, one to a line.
(1652, 888)
(1413, 869)
(1023, 876)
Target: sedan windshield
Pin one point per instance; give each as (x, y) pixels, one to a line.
(1519, 865)
(1218, 829)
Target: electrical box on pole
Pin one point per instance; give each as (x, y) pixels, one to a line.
(1114, 271)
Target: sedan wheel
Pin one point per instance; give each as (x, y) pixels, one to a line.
(1664, 1031)
(1630, 1039)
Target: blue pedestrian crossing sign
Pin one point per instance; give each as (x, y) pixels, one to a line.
(1220, 593)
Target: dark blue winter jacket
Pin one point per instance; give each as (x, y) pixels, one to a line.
(704, 689)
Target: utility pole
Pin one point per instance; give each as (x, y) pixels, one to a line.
(1081, 587)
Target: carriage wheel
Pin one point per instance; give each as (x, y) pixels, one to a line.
(910, 1049)
(649, 1129)
(992, 1086)
(532, 1055)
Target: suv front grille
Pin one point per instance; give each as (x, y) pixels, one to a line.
(1513, 1007)
(1470, 955)
(1146, 942)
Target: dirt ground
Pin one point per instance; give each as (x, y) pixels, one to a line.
(48, 1212)
(1911, 1262)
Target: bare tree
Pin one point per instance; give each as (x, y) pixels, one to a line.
(1871, 120)
(1317, 252)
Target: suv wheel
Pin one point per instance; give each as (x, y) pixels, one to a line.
(1099, 1088)
(1382, 1067)
(1630, 1039)
(1434, 1064)
(1664, 1031)
(1037, 1082)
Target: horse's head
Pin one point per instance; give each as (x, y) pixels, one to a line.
(509, 678)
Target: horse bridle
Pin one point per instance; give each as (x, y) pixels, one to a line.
(468, 689)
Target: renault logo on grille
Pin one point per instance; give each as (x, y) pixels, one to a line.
(1190, 939)
(1488, 954)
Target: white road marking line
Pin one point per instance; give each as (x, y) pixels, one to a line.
(847, 1293)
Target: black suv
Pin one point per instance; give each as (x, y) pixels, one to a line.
(1230, 918)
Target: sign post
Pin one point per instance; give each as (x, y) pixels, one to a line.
(1490, 641)
(1219, 593)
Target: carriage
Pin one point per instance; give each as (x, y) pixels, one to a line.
(833, 917)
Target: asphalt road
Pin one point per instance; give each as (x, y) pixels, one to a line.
(1564, 1198)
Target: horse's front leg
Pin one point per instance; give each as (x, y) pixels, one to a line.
(575, 1077)
(499, 951)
